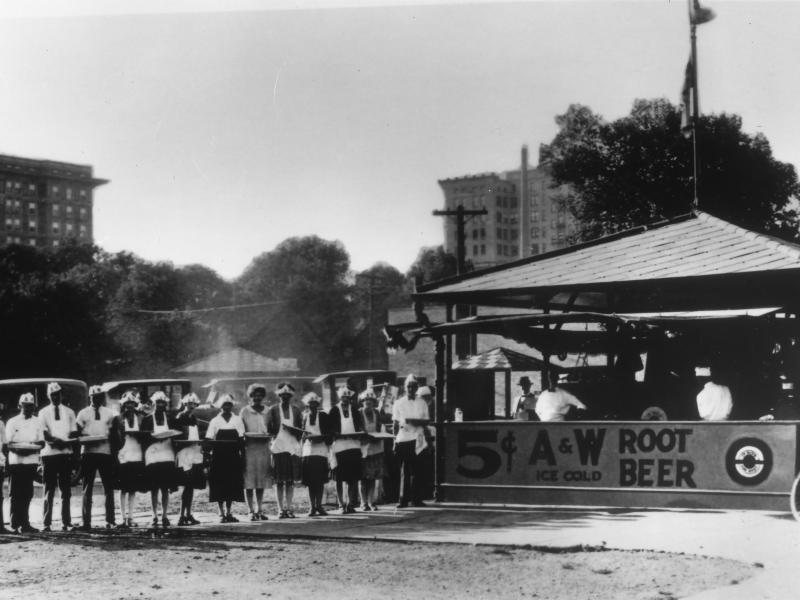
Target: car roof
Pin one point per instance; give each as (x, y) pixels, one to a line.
(34, 380)
(325, 376)
(110, 385)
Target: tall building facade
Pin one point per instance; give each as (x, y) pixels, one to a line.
(44, 202)
(515, 200)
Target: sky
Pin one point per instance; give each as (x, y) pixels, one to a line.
(227, 127)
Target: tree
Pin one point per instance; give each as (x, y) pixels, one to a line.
(309, 276)
(432, 264)
(638, 169)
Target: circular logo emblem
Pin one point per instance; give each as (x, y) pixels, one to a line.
(748, 461)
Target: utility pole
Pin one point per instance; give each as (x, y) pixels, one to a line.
(465, 344)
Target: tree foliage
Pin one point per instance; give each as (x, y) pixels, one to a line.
(432, 264)
(638, 169)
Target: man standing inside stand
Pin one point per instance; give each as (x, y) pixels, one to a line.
(59, 427)
(25, 439)
(96, 421)
(410, 416)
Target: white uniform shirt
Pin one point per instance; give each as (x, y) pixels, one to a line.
(90, 425)
(714, 402)
(58, 428)
(554, 406)
(347, 426)
(131, 450)
(409, 409)
(315, 448)
(218, 423)
(20, 429)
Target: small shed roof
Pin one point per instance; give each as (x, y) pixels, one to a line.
(500, 359)
(693, 262)
(237, 360)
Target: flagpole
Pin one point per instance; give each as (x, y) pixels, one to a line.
(695, 111)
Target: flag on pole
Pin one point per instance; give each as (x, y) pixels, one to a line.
(687, 100)
(699, 14)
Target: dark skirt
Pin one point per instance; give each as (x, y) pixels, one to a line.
(225, 479)
(161, 475)
(131, 477)
(194, 478)
(315, 470)
(348, 465)
(372, 467)
(285, 467)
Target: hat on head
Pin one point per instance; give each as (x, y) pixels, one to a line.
(284, 389)
(367, 394)
(27, 398)
(524, 380)
(225, 399)
(702, 372)
(345, 392)
(96, 390)
(52, 388)
(411, 378)
(190, 397)
(128, 397)
(424, 391)
(256, 387)
(311, 397)
(159, 396)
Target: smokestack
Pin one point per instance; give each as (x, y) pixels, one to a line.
(524, 208)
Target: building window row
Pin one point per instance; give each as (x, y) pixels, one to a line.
(482, 249)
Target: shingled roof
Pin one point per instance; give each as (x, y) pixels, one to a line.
(693, 262)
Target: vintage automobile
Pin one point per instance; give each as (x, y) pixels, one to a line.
(74, 393)
(175, 389)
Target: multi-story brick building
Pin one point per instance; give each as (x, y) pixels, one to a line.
(511, 198)
(44, 202)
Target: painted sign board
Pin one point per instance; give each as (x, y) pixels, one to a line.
(623, 463)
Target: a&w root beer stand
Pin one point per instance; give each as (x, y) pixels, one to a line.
(627, 321)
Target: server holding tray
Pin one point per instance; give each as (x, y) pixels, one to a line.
(94, 424)
(315, 452)
(130, 457)
(410, 416)
(189, 458)
(159, 457)
(372, 468)
(347, 425)
(225, 480)
(257, 457)
(285, 424)
(25, 439)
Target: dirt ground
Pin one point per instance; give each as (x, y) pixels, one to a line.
(226, 563)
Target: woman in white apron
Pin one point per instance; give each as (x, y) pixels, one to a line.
(225, 481)
(130, 473)
(189, 458)
(345, 422)
(159, 458)
(315, 453)
(372, 468)
(285, 448)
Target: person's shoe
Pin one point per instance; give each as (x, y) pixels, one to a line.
(165, 522)
(87, 527)
(28, 529)
(155, 522)
(419, 504)
(46, 529)
(262, 517)
(283, 515)
(343, 511)
(15, 530)
(322, 512)
(312, 513)
(290, 514)
(231, 519)
(223, 519)
(374, 507)
(254, 517)
(365, 508)
(402, 505)
(351, 510)
(191, 520)
(132, 523)
(111, 525)
(69, 528)
(183, 522)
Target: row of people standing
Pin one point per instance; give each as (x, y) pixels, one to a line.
(135, 451)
